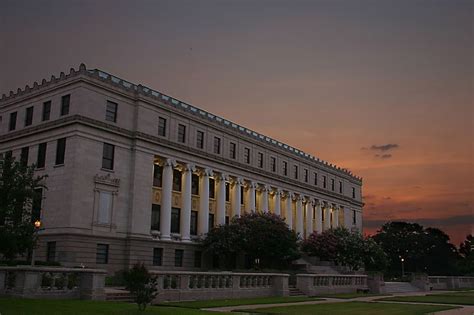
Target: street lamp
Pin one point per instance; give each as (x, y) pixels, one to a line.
(37, 225)
(403, 267)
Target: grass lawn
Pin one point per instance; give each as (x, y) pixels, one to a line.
(350, 295)
(354, 308)
(460, 297)
(10, 306)
(235, 302)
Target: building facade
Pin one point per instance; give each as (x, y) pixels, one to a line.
(135, 175)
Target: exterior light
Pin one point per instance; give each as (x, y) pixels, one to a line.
(403, 260)
(37, 224)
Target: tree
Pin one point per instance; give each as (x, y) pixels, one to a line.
(141, 284)
(466, 260)
(18, 188)
(262, 236)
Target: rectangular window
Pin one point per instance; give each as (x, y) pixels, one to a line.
(306, 175)
(285, 168)
(51, 251)
(102, 254)
(324, 181)
(175, 218)
(211, 220)
(295, 171)
(273, 164)
(176, 180)
(111, 111)
(181, 133)
(157, 256)
(227, 220)
(353, 192)
(46, 111)
(340, 187)
(227, 192)
(241, 195)
(217, 145)
(212, 188)
(108, 153)
(178, 257)
(29, 116)
(232, 150)
(65, 100)
(105, 207)
(200, 139)
(354, 217)
(247, 155)
(41, 160)
(24, 155)
(36, 205)
(162, 126)
(197, 259)
(322, 215)
(332, 184)
(157, 175)
(260, 159)
(60, 151)
(195, 185)
(315, 179)
(155, 217)
(194, 223)
(12, 125)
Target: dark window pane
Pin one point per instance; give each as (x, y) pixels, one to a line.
(340, 187)
(260, 160)
(177, 180)
(111, 111)
(181, 133)
(247, 155)
(46, 111)
(233, 147)
(157, 175)
(332, 184)
(273, 164)
(227, 192)
(12, 125)
(194, 220)
(29, 116)
(212, 188)
(324, 182)
(306, 175)
(197, 259)
(315, 179)
(51, 251)
(285, 168)
(108, 153)
(157, 256)
(162, 126)
(24, 155)
(65, 100)
(195, 184)
(36, 205)
(60, 151)
(241, 195)
(353, 192)
(354, 217)
(102, 254)
(211, 220)
(178, 257)
(217, 145)
(41, 160)
(200, 139)
(227, 220)
(175, 220)
(295, 171)
(155, 217)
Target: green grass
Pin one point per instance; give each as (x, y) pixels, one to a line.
(349, 295)
(354, 308)
(235, 302)
(460, 297)
(10, 306)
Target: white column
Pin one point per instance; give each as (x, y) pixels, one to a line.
(236, 186)
(264, 198)
(187, 173)
(309, 218)
(251, 193)
(220, 212)
(203, 217)
(277, 202)
(289, 210)
(166, 195)
(299, 216)
(335, 216)
(319, 217)
(327, 216)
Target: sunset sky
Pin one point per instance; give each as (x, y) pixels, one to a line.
(384, 88)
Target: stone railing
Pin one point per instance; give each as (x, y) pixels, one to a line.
(175, 286)
(314, 284)
(52, 282)
(450, 282)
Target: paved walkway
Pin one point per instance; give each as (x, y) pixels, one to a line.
(464, 310)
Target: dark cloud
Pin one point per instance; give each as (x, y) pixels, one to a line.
(384, 147)
(426, 222)
(383, 156)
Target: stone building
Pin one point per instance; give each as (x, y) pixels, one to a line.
(136, 175)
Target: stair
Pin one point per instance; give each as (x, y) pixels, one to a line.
(400, 287)
(294, 291)
(118, 295)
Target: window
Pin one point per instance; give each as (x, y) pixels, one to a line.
(324, 181)
(315, 179)
(36, 205)
(162, 126)
(247, 155)
(175, 218)
(178, 257)
(176, 180)
(227, 220)
(194, 223)
(24, 155)
(102, 254)
(295, 171)
(340, 187)
(322, 215)
(332, 184)
(197, 258)
(285, 168)
(354, 217)
(157, 175)
(111, 111)
(181, 133)
(12, 125)
(41, 160)
(353, 192)
(260, 159)
(29, 116)
(241, 195)
(46, 111)
(108, 156)
(155, 217)
(227, 192)
(157, 256)
(211, 220)
(65, 100)
(195, 185)
(232, 150)
(217, 145)
(51, 251)
(60, 151)
(105, 207)
(273, 164)
(212, 188)
(200, 139)
(306, 175)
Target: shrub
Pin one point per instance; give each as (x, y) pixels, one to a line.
(141, 284)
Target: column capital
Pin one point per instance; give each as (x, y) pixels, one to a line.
(264, 188)
(169, 162)
(276, 192)
(221, 176)
(251, 184)
(288, 195)
(237, 181)
(299, 198)
(188, 167)
(205, 172)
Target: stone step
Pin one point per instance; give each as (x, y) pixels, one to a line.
(118, 297)
(295, 292)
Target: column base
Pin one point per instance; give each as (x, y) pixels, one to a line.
(165, 237)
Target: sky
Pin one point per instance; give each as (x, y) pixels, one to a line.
(383, 88)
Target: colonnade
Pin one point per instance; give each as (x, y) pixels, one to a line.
(311, 213)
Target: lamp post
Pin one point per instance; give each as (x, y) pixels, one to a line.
(403, 267)
(37, 225)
